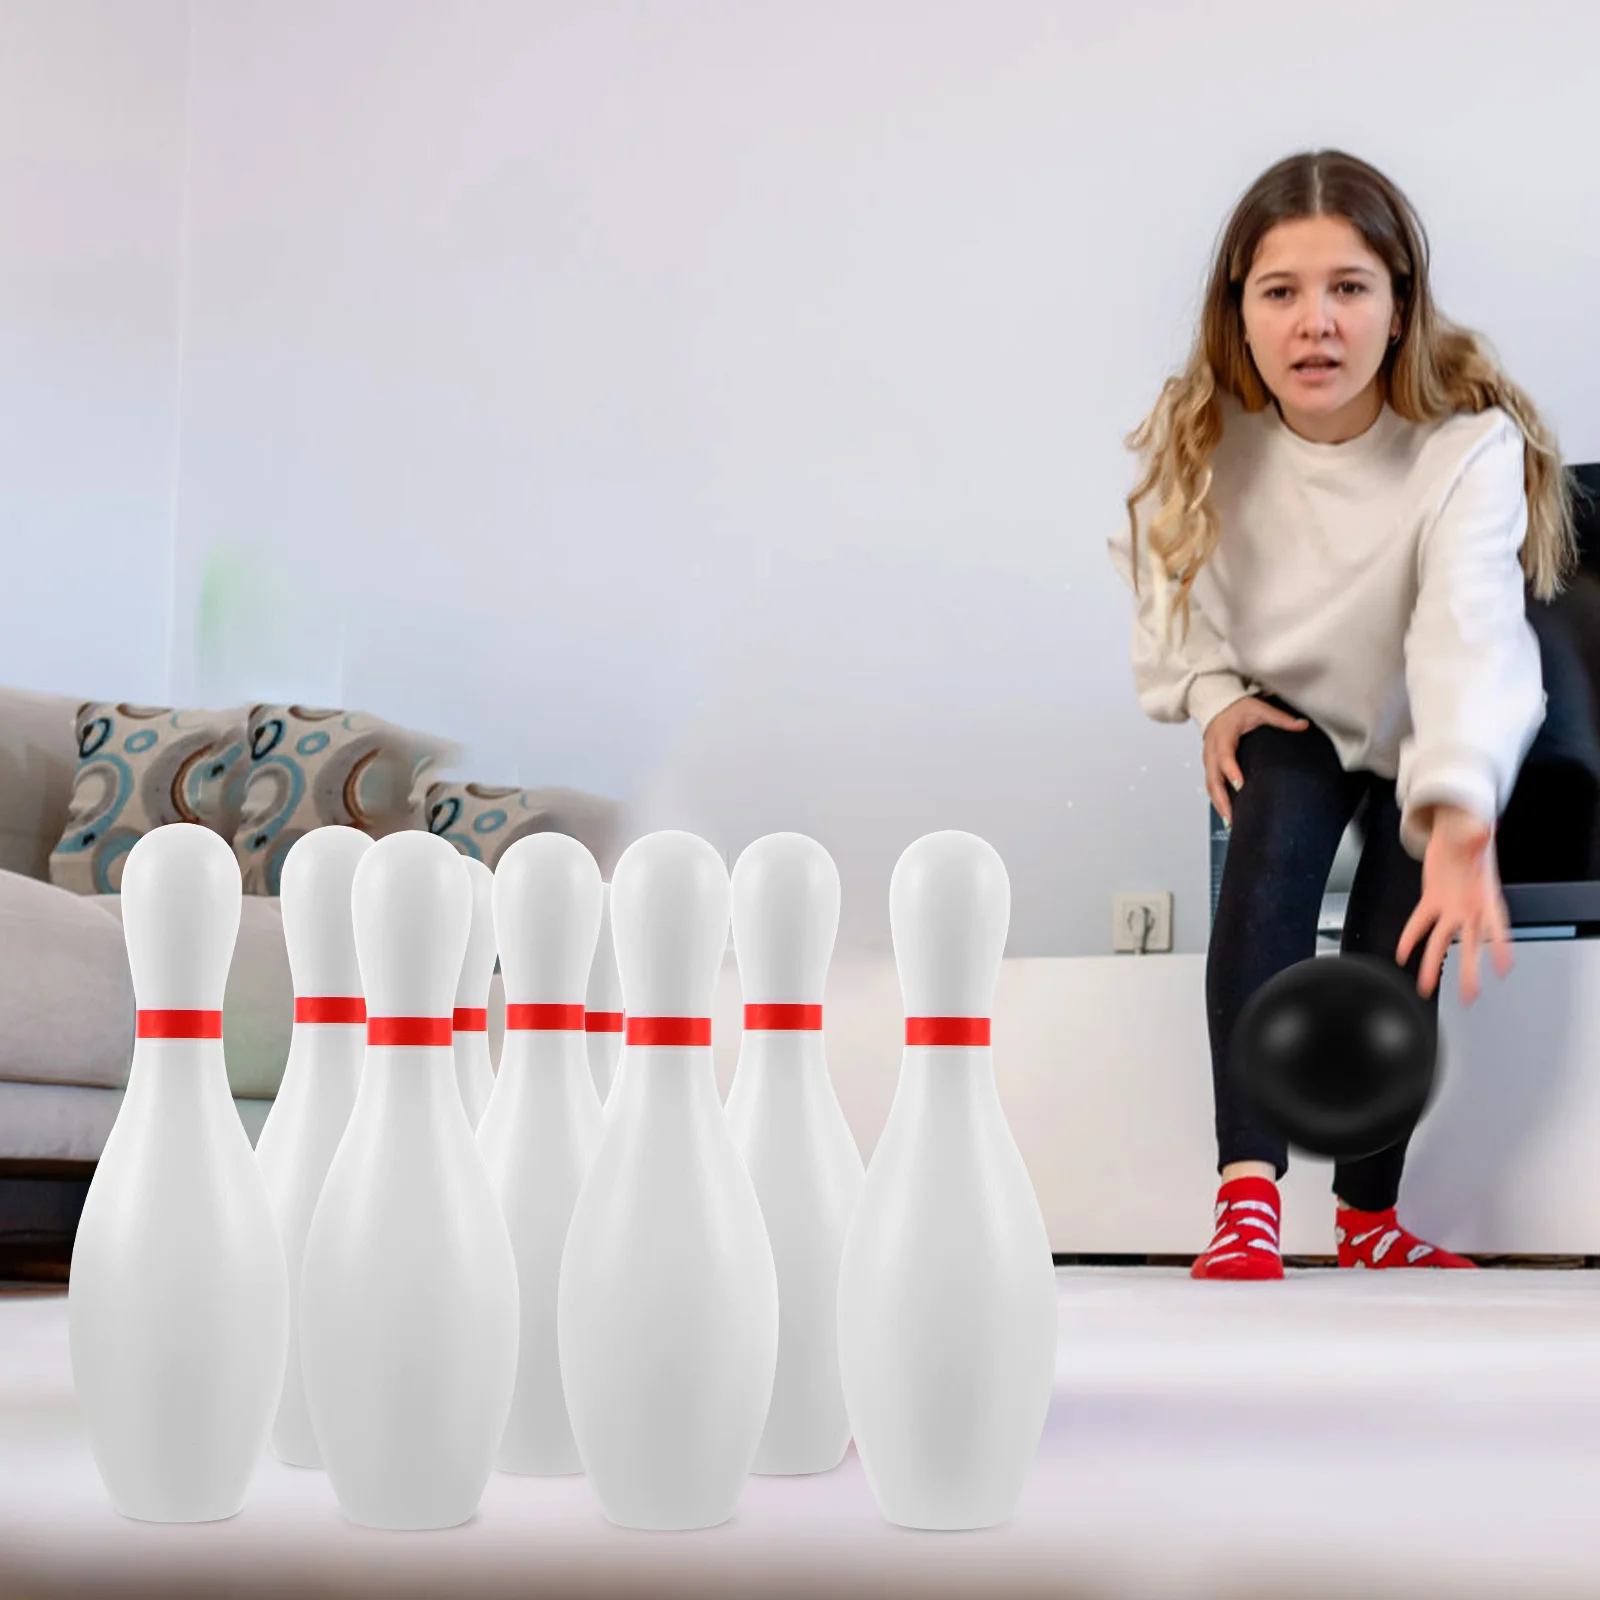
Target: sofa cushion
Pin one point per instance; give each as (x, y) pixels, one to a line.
(66, 1001)
(67, 1122)
(311, 767)
(258, 1004)
(482, 820)
(140, 767)
(38, 754)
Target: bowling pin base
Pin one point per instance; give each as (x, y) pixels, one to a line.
(153, 1508)
(957, 1524)
(540, 1463)
(928, 1515)
(666, 1519)
(295, 1447)
(422, 1519)
(799, 1466)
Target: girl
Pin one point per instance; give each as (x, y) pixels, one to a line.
(1344, 506)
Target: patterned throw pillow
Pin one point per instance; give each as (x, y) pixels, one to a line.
(309, 768)
(481, 819)
(140, 767)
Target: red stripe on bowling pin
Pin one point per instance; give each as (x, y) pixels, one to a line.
(668, 1031)
(784, 1018)
(330, 1008)
(949, 1031)
(470, 1019)
(409, 1031)
(544, 1018)
(180, 1025)
(602, 1022)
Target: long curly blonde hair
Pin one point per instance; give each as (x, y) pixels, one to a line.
(1434, 370)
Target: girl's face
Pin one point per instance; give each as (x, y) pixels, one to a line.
(1319, 314)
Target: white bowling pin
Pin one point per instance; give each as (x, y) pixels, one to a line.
(543, 1122)
(408, 1293)
(178, 1297)
(792, 1133)
(602, 1019)
(474, 1070)
(320, 1078)
(667, 1308)
(947, 1296)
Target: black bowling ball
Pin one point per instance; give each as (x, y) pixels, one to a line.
(1339, 1054)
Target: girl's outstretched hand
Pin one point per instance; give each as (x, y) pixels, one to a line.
(1460, 895)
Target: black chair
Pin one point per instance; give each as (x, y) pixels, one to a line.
(1549, 837)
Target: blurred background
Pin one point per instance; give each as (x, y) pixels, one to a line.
(714, 407)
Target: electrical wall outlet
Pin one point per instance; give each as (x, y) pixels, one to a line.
(1142, 922)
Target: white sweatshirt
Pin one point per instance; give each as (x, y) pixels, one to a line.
(1375, 586)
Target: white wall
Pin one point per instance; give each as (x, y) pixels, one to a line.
(91, 184)
(721, 407)
(1104, 1072)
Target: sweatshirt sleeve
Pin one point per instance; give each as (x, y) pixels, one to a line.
(1473, 674)
(1190, 675)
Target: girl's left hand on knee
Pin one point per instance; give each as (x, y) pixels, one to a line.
(1460, 895)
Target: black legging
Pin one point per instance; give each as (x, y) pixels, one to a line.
(1287, 823)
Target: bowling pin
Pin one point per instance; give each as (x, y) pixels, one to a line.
(543, 1122)
(788, 1125)
(178, 1295)
(474, 1071)
(667, 1306)
(602, 1018)
(947, 1296)
(320, 1078)
(408, 1292)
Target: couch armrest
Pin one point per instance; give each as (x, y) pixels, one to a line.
(38, 757)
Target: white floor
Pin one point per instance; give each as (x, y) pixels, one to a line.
(1340, 1434)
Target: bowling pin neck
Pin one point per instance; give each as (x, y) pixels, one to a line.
(947, 1074)
(315, 1049)
(796, 1051)
(470, 1036)
(177, 1066)
(412, 1071)
(472, 994)
(605, 992)
(656, 1072)
(537, 1051)
(473, 1047)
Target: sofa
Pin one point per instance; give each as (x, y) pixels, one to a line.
(67, 1005)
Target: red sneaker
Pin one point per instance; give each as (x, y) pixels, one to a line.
(1375, 1239)
(1245, 1244)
